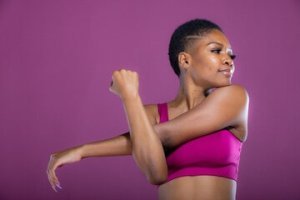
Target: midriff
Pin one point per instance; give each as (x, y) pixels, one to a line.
(198, 188)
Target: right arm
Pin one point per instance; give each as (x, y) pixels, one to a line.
(116, 146)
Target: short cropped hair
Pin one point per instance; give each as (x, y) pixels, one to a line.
(180, 39)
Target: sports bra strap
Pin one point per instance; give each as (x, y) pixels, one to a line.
(163, 112)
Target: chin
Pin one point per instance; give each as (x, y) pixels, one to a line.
(222, 84)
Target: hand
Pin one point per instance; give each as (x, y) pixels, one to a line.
(58, 160)
(125, 83)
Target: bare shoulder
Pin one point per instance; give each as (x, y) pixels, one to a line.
(235, 93)
(152, 113)
(233, 101)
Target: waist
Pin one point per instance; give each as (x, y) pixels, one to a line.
(198, 187)
(229, 172)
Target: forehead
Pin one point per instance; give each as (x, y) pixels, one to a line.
(214, 37)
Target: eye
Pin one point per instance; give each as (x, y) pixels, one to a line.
(216, 51)
(232, 57)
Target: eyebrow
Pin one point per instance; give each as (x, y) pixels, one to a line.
(218, 44)
(215, 43)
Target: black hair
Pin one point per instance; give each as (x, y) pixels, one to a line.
(180, 38)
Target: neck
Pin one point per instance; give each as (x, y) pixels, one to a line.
(189, 94)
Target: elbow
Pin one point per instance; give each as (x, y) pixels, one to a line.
(158, 178)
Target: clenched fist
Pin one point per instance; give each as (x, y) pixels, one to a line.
(125, 84)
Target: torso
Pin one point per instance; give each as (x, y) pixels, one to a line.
(198, 188)
(202, 187)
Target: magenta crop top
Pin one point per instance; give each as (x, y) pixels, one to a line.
(215, 154)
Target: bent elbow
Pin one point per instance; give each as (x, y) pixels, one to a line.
(157, 179)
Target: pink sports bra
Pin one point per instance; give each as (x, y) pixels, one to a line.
(215, 154)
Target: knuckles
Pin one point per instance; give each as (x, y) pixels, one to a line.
(124, 73)
(53, 156)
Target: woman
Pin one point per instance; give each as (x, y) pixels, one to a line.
(191, 145)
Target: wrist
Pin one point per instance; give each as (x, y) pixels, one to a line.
(80, 151)
(130, 98)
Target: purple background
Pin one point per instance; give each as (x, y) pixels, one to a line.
(56, 60)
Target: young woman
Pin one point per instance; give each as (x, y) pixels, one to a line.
(191, 145)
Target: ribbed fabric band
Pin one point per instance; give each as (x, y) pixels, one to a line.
(163, 112)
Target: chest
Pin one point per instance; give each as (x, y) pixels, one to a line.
(216, 149)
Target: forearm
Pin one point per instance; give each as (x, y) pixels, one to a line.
(116, 146)
(225, 107)
(147, 148)
(185, 127)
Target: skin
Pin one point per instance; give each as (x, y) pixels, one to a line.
(204, 65)
(202, 68)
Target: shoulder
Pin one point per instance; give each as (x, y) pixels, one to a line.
(233, 101)
(234, 89)
(234, 93)
(152, 113)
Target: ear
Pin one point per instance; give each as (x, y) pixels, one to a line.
(184, 60)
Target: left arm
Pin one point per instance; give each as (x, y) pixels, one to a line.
(225, 107)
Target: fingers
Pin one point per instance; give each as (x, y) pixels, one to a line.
(123, 72)
(124, 80)
(53, 180)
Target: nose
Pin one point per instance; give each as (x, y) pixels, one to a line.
(227, 61)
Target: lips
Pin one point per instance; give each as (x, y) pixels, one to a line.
(227, 72)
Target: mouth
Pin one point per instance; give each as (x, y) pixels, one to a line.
(226, 72)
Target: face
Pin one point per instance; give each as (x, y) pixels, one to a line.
(210, 60)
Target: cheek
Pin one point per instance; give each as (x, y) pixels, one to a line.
(205, 67)
(213, 63)
(203, 72)
(210, 66)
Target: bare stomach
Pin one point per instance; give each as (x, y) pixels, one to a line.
(198, 188)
